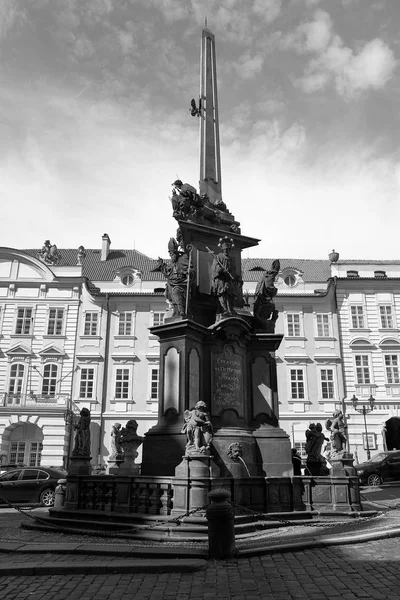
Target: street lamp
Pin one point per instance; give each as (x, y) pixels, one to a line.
(364, 411)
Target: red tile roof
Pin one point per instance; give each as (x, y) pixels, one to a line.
(252, 268)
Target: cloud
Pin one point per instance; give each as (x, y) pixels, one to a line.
(312, 36)
(350, 72)
(268, 10)
(10, 14)
(249, 66)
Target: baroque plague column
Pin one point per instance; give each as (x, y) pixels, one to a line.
(216, 358)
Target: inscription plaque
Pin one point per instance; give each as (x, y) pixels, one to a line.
(227, 381)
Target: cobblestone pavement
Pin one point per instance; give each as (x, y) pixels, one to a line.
(361, 571)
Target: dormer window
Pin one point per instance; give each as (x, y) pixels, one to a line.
(128, 276)
(352, 274)
(291, 277)
(127, 280)
(380, 274)
(290, 280)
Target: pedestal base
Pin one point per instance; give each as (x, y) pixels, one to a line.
(192, 482)
(114, 466)
(80, 465)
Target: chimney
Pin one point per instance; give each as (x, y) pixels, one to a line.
(105, 246)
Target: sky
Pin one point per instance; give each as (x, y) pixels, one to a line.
(95, 122)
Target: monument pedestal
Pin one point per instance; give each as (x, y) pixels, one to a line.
(192, 482)
(80, 465)
(114, 466)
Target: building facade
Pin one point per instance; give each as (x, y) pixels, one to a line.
(368, 304)
(75, 332)
(39, 305)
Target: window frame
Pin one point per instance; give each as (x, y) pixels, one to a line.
(128, 381)
(391, 366)
(357, 317)
(53, 380)
(332, 370)
(288, 325)
(18, 393)
(154, 369)
(381, 317)
(89, 323)
(153, 317)
(56, 320)
(81, 381)
(24, 319)
(301, 370)
(121, 331)
(327, 325)
(368, 357)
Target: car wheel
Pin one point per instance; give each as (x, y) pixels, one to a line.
(374, 479)
(47, 497)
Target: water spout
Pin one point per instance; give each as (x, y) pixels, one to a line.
(245, 466)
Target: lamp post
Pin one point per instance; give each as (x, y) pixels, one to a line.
(365, 410)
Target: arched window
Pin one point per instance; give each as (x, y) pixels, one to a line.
(49, 380)
(16, 383)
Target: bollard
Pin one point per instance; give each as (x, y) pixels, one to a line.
(60, 494)
(221, 528)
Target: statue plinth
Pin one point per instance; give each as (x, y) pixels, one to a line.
(79, 465)
(114, 464)
(342, 465)
(192, 483)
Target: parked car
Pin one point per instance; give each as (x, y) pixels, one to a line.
(382, 467)
(30, 485)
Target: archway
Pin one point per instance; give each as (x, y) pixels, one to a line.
(22, 443)
(392, 433)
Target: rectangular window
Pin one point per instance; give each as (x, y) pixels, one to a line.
(17, 453)
(16, 383)
(56, 319)
(125, 323)
(301, 449)
(362, 369)
(386, 317)
(293, 321)
(35, 454)
(323, 325)
(49, 383)
(392, 368)
(87, 383)
(158, 318)
(327, 383)
(154, 384)
(91, 322)
(357, 317)
(24, 321)
(371, 441)
(122, 384)
(297, 383)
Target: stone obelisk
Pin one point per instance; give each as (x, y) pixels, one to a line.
(210, 160)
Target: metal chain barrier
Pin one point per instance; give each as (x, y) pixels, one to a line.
(353, 521)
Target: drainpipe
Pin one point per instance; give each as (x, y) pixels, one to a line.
(105, 379)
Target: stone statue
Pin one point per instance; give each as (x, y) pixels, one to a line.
(186, 202)
(130, 440)
(82, 435)
(179, 274)
(224, 278)
(337, 428)
(316, 462)
(81, 255)
(116, 448)
(315, 440)
(265, 313)
(198, 429)
(49, 253)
